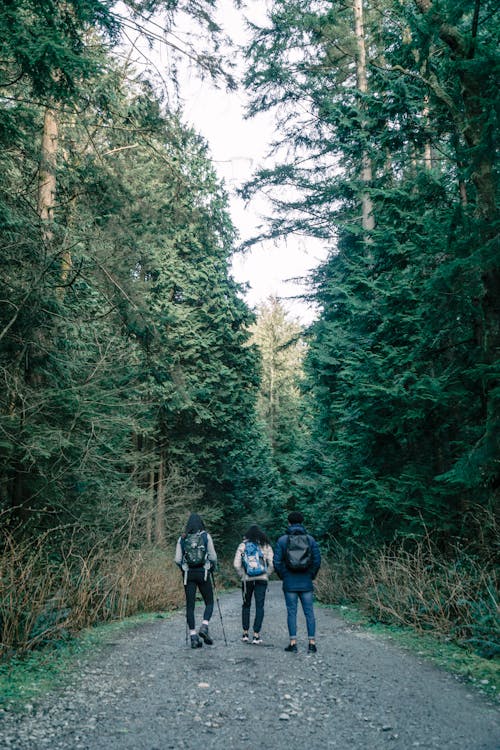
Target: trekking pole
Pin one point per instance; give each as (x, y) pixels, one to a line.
(218, 606)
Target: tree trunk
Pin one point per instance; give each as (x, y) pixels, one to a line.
(47, 174)
(160, 504)
(366, 174)
(47, 185)
(427, 145)
(151, 505)
(271, 400)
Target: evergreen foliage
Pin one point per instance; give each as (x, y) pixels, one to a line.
(137, 384)
(280, 404)
(403, 361)
(123, 338)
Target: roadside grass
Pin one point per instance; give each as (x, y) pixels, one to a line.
(444, 607)
(27, 678)
(72, 614)
(482, 674)
(47, 595)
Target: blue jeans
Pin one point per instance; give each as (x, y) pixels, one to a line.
(306, 599)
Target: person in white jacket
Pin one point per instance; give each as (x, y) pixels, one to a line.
(254, 564)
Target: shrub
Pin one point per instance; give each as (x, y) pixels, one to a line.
(455, 595)
(46, 597)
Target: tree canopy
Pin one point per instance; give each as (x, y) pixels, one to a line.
(124, 342)
(388, 124)
(136, 380)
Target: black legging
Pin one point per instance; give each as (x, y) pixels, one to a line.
(196, 580)
(258, 589)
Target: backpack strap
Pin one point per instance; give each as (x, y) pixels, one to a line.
(185, 568)
(207, 564)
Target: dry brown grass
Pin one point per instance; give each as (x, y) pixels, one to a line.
(336, 581)
(456, 596)
(43, 601)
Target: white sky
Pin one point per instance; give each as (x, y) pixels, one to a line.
(238, 147)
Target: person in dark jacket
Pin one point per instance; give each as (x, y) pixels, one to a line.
(197, 578)
(298, 584)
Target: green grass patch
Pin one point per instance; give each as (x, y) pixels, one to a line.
(28, 678)
(484, 674)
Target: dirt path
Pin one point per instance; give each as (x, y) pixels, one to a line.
(147, 691)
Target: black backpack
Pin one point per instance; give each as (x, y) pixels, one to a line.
(298, 553)
(195, 549)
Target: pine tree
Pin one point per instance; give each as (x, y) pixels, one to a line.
(124, 347)
(282, 350)
(387, 118)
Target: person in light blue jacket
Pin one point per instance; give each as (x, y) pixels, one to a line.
(297, 559)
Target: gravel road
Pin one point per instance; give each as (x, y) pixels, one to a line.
(147, 691)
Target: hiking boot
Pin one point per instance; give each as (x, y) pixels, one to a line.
(292, 647)
(312, 648)
(203, 633)
(245, 638)
(196, 641)
(256, 639)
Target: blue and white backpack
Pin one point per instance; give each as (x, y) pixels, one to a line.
(253, 559)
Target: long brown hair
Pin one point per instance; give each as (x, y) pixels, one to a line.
(255, 534)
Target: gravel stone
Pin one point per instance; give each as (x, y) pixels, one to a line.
(147, 691)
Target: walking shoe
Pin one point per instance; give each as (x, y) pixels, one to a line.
(245, 638)
(203, 633)
(292, 647)
(196, 641)
(256, 639)
(312, 648)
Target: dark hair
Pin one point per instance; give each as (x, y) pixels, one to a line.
(194, 524)
(295, 517)
(255, 534)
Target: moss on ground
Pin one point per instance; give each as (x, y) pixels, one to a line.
(24, 679)
(484, 674)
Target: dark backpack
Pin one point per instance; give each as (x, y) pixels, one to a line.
(195, 549)
(298, 553)
(253, 560)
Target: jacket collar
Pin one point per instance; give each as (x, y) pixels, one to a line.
(296, 528)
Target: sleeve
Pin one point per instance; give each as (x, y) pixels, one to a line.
(178, 553)
(211, 553)
(269, 555)
(316, 555)
(278, 561)
(237, 563)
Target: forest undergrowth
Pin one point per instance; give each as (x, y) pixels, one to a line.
(48, 596)
(455, 595)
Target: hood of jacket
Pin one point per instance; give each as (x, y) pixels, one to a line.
(296, 528)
